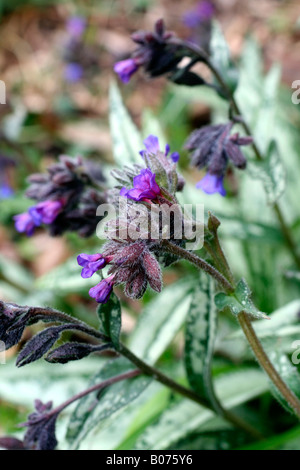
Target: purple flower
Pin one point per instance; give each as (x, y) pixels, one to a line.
(25, 223)
(204, 11)
(152, 146)
(211, 184)
(45, 212)
(5, 191)
(101, 292)
(145, 187)
(91, 263)
(126, 68)
(73, 72)
(76, 26)
(40, 425)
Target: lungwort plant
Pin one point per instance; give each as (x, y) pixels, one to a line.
(216, 395)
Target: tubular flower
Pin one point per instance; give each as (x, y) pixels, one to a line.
(91, 263)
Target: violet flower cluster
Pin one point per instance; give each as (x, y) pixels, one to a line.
(67, 198)
(6, 190)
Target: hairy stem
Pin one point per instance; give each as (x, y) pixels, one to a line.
(186, 392)
(266, 364)
(253, 340)
(146, 369)
(200, 263)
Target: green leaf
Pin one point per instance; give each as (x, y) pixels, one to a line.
(271, 172)
(110, 318)
(290, 375)
(239, 301)
(161, 320)
(220, 57)
(184, 417)
(201, 329)
(92, 410)
(127, 141)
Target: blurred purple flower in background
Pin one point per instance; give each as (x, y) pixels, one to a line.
(43, 213)
(155, 53)
(5, 191)
(202, 12)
